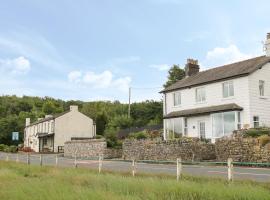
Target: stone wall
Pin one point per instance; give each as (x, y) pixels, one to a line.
(186, 148)
(242, 149)
(92, 148)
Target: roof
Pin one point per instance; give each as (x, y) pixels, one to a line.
(238, 69)
(44, 134)
(203, 110)
(49, 118)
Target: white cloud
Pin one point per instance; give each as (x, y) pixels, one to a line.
(103, 80)
(19, 65)
(225, 55)
(161, 67)
(75, 76)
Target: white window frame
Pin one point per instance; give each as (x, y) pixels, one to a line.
(200, 98)
(177, 99)
(238, 120)
(262, 88)
(227, 86)
(256, 121)
(185, 126)
(223, 126)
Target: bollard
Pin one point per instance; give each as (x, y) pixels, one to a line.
(230, 169)
(28, 159)
(75, 161)
(56, 160)
(40, 160)
(133, 167)
(17, 158)
(100, 164)
(178, 168)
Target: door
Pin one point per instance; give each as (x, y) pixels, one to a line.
(202, 129)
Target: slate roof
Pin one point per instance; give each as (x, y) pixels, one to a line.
(204, 110)
(238, 69)
(49, 118)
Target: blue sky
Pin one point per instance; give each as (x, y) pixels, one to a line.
(96, 49)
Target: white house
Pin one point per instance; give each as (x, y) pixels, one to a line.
(212, 103)
(50, 134)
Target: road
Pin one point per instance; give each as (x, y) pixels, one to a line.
(255, 174)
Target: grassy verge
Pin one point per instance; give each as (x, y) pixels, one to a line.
(19, 181)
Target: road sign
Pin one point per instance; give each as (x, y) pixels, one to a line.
(15, 136)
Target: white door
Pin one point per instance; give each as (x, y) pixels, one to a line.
(202, 129)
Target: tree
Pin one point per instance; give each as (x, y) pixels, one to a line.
(49, 107)
(175, 74)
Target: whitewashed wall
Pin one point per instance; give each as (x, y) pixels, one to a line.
(260, 106)
(214, 96)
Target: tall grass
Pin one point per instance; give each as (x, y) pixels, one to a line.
(22, 182)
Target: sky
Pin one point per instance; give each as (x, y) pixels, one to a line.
(96, 49)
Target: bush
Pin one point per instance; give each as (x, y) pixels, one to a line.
(3, 147)
(256, 132)
(264, 139)
(139, 135)
(99, 137)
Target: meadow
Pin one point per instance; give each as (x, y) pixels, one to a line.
(23, 182)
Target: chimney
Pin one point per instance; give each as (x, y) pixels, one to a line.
(73, 108)
(267, 45)
(27, 121)
(192, 67)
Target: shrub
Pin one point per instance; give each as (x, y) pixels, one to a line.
(139, 135)
(256, 132)
(264, 139)
(99, 137)
(13, 149)
(27, 149)
(3, 147)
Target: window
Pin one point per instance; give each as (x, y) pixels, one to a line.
(52, 127)
(223, 124)
(256, 121)
(44, 141)
(261, 88)
(177, 98)
(185, 126)
(200, 95)
(228, 89)
(173, 128)
(239, 121)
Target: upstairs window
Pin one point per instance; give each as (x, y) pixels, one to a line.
(228, 89)
(177, 98)
(200, 95)
(261, 87)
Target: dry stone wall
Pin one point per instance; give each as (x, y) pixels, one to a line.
(186, 148)
(90, 149)
(242, 149)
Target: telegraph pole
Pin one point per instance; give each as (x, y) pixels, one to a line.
(129, 97)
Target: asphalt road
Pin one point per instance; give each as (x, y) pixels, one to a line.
(255, 174)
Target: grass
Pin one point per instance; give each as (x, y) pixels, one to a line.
(21, 182)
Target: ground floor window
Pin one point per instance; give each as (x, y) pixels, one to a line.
(225, 123)
(173, 128)
(256, 122)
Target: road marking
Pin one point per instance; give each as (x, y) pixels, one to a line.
(240, 173)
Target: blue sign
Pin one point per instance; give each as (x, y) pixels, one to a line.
(15, 136)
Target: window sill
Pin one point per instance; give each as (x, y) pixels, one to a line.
(179, 106)
(263, 97)
(228, 98)
(203, 102)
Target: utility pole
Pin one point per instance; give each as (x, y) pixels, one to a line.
(129, 97)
